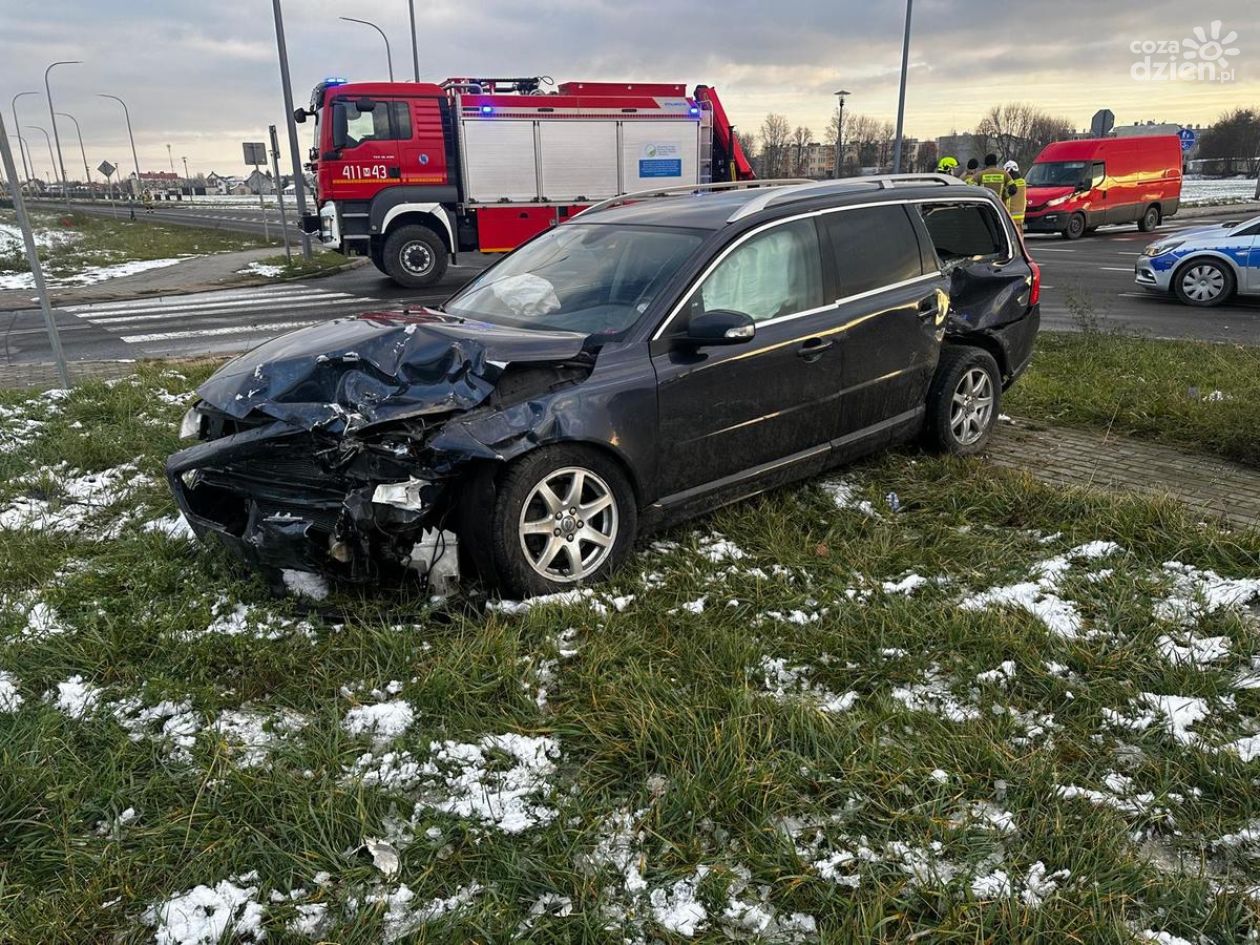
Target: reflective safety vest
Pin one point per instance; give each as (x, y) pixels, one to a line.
(996, 179)
(1017, 203)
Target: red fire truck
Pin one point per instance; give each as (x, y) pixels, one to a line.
(411, 173)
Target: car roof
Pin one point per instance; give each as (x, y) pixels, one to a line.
(712, 210)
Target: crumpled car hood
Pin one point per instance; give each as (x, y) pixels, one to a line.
(377, 367)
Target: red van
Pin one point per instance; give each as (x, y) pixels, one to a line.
(1075, 187)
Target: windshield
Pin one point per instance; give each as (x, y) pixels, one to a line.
(592, 278)
(1057, 174)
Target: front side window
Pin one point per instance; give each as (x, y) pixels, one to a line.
(386, 121)
(590, 278)
(874, 247)
(775, 273)
(964, 231)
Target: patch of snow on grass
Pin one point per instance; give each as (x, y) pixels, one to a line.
(785, 683)
(845, 496)
(1197, 593)
(933, 695)
(92, 275)
(81, 495)
(678, 908)
(231, 619)
(1175, 714)
(500, 780)
(261, 269)
(253, 734)
(1195, 651)
(10, 699)
(205, 915)
(403, 915)
(175, 527)
(75, 697)
(577, 596)
(384, 721)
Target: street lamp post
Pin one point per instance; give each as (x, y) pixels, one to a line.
(87, 175)
(901, 95)
(61, 165)
(130, 136)
(26, 157)
(839, 155)
(415, 49)
(295, 155)
(17, 127)
(187, 179)
(388, 56)
(51, 157)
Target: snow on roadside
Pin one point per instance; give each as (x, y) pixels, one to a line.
(91, 275)
(266, 270)
(383, 721)
(234, 619)
(404, 916)
(80, 495)
(252, 734)
(1196, 593)
(175, 527)
(844, 494)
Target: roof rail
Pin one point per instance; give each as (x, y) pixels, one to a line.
(681, 190)
(821, 187)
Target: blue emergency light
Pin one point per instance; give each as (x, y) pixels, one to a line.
(695, 110)
(336, 80)
(487, 109)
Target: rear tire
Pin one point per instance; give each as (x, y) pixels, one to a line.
(414, 256)
(1075, 227)
(537, 546)
(1203, 283)
(963, 401)
(1150, 219)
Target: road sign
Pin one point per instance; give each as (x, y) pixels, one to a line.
(255, 152)
(107, 169)
(1103, 121)
(1189, 138)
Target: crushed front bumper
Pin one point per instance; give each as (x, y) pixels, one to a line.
(280, 497)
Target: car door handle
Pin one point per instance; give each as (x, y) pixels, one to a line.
(814, 349)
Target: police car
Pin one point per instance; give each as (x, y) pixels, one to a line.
(1204, 266)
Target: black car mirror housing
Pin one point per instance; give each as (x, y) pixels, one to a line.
(720, 327)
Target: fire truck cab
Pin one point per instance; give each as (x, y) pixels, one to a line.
(412, 173)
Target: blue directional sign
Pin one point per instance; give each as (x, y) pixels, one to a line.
(1189, 138)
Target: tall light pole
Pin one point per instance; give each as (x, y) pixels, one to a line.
(187, 179)
(130, 136)
(388, 56)
(415, 49)
(17, 128)
(61, 165)
(901, 95)
(87, 175)
(23, 146)
(839, 156)
(51, 157)
(295, 155)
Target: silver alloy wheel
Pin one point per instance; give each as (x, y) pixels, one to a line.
(568, 524)
(972, 406)
(1203, 282)
(416, 258)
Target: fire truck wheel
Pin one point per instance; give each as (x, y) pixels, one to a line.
(415, 256)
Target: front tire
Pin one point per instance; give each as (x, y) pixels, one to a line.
(562, 517)
(1150, 219)
(1075, 227)
(414, 256)
(964, 401)
(1203, 283)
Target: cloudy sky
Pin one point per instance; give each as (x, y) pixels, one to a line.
(203, 76)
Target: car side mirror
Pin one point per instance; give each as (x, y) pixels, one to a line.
(365, 105)
(720, 327)
(1083, 186)
(299, 115)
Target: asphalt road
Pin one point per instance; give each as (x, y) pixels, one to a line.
(1088, 279)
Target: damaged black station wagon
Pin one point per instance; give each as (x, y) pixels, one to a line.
(650, 359)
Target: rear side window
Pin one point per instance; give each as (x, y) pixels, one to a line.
(873, 247)
(775, 273)
(964, 231)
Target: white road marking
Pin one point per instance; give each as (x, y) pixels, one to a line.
(367, 305)
(214, 332)
(277, 300)
(245, 292)
(1116, 268)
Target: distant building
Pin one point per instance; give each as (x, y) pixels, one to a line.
(964, 147)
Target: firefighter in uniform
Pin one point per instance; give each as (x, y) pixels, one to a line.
(973, 170)
(947, 165)
(996, 179)
(1017, 203)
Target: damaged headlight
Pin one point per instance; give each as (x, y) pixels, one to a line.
(190, 426)
(401, 495)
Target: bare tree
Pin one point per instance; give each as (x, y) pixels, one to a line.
(1018, 131)
(801, 138)
(1234, 141)
(775, 135)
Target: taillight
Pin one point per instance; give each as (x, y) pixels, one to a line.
(1034, 294)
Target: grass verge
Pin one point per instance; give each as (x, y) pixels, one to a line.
(77, 246)
(1185, 393)
(321, 263)
(997, 713)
